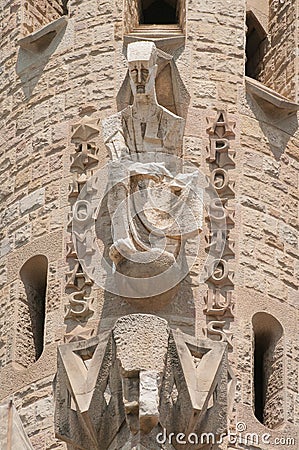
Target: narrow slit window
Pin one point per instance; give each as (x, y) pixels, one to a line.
(268, 370)
(159, 12)
(256, 46)
(34, 278)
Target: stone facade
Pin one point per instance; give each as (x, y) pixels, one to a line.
(234, 315)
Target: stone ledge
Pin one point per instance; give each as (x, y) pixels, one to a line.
(164, 36)
(39, 40)
(268, 99)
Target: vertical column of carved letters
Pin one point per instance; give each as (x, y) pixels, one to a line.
(219, 299)
(83, 162)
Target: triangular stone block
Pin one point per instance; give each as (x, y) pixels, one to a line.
(118, 397)
(82, 379)
(197, 368)
(12, 433)
(90, 415)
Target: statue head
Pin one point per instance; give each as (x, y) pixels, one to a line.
(142, 67)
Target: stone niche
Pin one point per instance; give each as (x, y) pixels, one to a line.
(31, 310)
(268, 370)
(160, 21)
(154, 12)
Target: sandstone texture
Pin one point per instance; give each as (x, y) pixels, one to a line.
(91, 361)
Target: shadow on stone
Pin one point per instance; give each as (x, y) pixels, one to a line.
(35, 52)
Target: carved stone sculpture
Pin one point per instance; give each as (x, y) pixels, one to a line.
(121, 389)
(150, 201)
(220, 270)
(127, 386)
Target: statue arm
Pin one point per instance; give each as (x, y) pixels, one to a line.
(175, 130)
(114, 138)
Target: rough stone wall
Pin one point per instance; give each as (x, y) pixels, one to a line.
(35, 405)
(36, 14)
(269, 197)
(131, 15)
(280, 59)
(274, 374)
(41, 97)
(25, 348)
(268, 261)
(260, 10)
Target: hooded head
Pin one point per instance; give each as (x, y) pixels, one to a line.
(142, 58)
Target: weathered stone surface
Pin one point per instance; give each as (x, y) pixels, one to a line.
(79, 72)
(137, 139)
(12, 432)
(120, 371)
(32, 201)
(148, 336)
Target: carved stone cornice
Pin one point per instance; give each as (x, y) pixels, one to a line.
(268, 99)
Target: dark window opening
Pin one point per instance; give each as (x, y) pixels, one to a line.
(256, 46)
(34, 277)
(267, 339)
(65, 10)
(260, 343)
(159, 12)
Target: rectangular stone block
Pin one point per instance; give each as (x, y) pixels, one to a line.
(32, 201)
